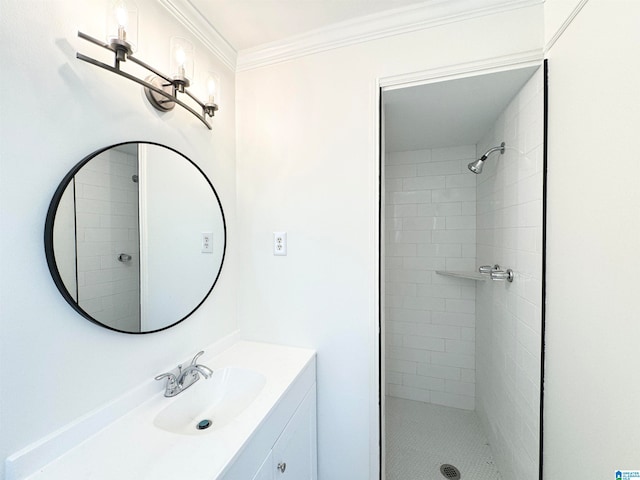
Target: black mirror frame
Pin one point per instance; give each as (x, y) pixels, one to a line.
(48, 236)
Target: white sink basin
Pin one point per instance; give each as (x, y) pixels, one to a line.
(218, 400)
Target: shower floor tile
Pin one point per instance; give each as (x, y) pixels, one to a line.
(420, 437)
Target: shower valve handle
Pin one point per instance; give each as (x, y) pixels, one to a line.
(502, 275)
(489, 268)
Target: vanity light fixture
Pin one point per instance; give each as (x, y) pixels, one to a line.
(161, 90)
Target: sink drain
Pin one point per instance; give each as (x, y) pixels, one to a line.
(450, 472)
(203, 424)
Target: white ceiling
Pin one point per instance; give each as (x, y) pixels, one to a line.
(445, 114)
(249, 23)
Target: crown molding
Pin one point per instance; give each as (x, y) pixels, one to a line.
(199, 26)
(565, 25)
(429, 14)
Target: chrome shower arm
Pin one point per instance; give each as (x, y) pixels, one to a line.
(494, 149)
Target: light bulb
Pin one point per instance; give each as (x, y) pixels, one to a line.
(181, 57)
(213, 90)
(122, 16)
(211, 87)
(122, 25)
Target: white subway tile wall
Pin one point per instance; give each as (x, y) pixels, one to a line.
(508, 323)
(430, 218)
(107, 214)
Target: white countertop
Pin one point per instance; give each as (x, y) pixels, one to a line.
(132, 448)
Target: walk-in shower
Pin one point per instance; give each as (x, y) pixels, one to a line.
(462, 351)
(476, 165)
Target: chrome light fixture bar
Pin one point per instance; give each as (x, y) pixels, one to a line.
(160, 89)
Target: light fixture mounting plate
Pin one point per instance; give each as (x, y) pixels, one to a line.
(159, 101)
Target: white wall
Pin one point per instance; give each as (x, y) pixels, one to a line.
(592, 390)
(56, 366)
(509, 315)
(307, 164)
(429, 318)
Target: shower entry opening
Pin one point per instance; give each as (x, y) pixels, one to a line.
(462, 220)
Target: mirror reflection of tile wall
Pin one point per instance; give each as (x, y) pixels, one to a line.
(107, 225)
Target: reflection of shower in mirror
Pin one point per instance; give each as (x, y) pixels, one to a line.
(114, 227)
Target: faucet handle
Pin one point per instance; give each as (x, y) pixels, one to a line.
(171, 378)
(197, 356)
(171, 388)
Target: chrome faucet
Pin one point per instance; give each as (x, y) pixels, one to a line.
(179, 379)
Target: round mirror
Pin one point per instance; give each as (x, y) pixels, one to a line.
(135, 237)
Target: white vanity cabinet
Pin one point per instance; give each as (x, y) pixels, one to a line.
(293, 455)
(277, 427)
(284, 445)
(266, 470)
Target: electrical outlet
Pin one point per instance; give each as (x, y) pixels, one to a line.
(207, 242)
(280, 243)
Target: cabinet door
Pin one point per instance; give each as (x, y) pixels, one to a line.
(294, 453)
(266, 470)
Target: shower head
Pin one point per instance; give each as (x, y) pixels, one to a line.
(476, 165)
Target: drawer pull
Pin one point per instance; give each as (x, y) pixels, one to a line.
(282, 467)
